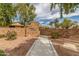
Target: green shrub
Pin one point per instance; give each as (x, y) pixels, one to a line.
(11, 35)
(55, 35)
(2, 53)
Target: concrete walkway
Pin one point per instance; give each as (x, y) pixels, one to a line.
(42, 47)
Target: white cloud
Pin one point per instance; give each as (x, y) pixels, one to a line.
(43, 10)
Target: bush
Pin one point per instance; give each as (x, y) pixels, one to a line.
(2, 36)
(2, 53)
(55, 35)
(11, 35)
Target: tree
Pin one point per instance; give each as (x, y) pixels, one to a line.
(7, 12)
(27, 12)
(65, 8)
(55, 23)
(66, 24)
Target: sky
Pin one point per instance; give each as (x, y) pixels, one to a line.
(43, 12)
(42, 9)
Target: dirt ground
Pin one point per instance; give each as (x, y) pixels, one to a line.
(66, 46)
(21, 44)
(12, 43)
(68, 42)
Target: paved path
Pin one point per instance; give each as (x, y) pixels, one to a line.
(42, 47)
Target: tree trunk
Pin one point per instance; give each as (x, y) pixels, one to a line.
(25, 28)
(61, 11)
(25, 31)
